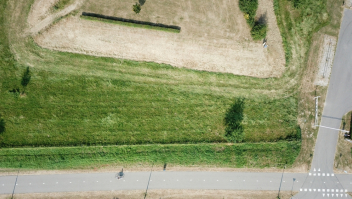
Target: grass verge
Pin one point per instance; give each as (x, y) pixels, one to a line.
(258, 155)
(131, 24)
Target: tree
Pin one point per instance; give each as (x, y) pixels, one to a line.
(26, 78)
(258, 31)
(137, 8)
(233, 121)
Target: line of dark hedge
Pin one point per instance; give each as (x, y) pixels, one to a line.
(130, 20)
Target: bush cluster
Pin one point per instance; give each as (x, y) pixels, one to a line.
(249, 8)
(258, 31)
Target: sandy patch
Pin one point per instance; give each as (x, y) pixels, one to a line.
(214, 36)
(165, 194)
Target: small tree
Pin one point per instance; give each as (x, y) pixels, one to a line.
(258, 31)
(137, 8)
(26, 78)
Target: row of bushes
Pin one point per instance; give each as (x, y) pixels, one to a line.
(249, 8)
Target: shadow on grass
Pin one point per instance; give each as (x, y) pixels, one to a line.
(233, 121)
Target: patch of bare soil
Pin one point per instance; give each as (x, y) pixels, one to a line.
(39, 17)
(39, 10)
(214, 36)
(165, 194)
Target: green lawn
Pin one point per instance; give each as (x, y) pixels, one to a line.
(75, 100)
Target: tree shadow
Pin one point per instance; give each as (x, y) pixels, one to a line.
(233, 121)
(2, 125)
(263, 19)
(142, 2)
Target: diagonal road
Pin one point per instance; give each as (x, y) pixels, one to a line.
(338, 102)
(320, 182)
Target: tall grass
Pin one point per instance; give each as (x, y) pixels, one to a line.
(223, 155)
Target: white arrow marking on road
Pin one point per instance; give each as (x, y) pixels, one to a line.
(337, 190)
(300, 189)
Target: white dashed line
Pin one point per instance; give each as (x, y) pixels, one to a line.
(43, 183)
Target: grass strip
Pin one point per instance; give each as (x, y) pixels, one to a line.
(131, 24)
(237, 155)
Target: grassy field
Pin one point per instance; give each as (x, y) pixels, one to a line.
(223, 155)
(75, 100)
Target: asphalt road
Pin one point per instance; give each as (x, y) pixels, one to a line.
(320, 182)
(338, 102)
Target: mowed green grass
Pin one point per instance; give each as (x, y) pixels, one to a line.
(68, 110)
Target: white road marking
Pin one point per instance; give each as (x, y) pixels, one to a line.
(300, 189)
(57, 182)
(270, 181)
(190, 180)
(327, 194)
(164, 180)
(323, 194)
(305, 189)
(314, 169)
(310, 174)
(345, 195)
(337, 190)
(324, 182)
(332, 190)
(314, 174)
(345, 190)
(17, 184)
(43, 183)
(319, 169)
(318, 190)
(341, 190)
(84, 181)
(230, 180)
(328, 190)
(314, 190)
(327, 174)
(318, 174)
(217, 180)
(244, 180)
(310, 189)
(204, 180)
(137, 180)
(323, 174)
(97, 181)
(30, 183)
(323, 190)
(332, 195)
(332, 174)
(177, 179)
(70, 182)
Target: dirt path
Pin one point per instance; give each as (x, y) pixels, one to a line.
(41, 8)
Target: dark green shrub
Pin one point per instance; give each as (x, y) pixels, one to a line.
(249, 8)
(233, 121)
(61, 4)
(258, 31)
(137, 8)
